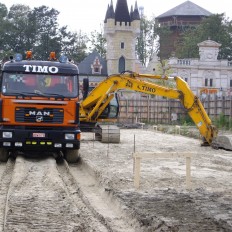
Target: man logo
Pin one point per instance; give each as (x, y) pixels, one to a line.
(39, 118)
(39, 113)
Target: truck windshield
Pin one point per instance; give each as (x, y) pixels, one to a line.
(14, 84)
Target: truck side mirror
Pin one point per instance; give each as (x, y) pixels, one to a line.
(85, 87)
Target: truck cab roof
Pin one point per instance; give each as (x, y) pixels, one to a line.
(46, 67)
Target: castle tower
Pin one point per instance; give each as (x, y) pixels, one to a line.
(178, 19)
(121, 29)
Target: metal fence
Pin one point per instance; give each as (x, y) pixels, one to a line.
(158, 110)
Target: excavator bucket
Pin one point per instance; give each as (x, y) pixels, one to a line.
(222, 141)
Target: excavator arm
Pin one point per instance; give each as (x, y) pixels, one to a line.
(99, 98)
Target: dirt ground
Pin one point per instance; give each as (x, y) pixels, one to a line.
(98, 193)
(162, 203)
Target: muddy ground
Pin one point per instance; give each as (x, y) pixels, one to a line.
(162, 203)
(98, 194)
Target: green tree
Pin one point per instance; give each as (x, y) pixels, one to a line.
(146, 42)
(3, 29)
(67, 40)
(44, 22)
(164, 69)
(74, 44)
(3, 11)
(98, 43)
(24, 29)
(17, 20)
(216, 27)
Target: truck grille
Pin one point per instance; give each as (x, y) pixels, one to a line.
(33, 115)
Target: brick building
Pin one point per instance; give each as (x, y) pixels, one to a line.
(177, 20)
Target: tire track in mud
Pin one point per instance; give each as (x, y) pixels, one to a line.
(4, 188)
(101, 201)
(42, 196)
(168, 209)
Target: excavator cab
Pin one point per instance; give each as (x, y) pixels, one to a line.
(111, 111)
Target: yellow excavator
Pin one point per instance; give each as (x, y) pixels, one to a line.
(100, 105)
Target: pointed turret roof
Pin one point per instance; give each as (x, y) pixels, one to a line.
(131, 12)
(187, 8)
(110, 12)
(135, 14)
(122, 12)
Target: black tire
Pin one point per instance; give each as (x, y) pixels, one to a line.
(72, 156)
(4, 155)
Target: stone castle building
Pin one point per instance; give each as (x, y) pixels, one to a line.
(121, 29)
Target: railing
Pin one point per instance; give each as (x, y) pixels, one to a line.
(183, 62)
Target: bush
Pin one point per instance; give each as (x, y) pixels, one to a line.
(223, 121)
(186, 121)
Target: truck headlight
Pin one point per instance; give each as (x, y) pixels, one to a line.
(69, 136)
(7, 134)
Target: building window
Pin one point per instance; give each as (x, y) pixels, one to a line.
(121, 64)
(122, 45)
(209, 82)
(96, 66)
(186, 79)
(96, 70)
(230, 83)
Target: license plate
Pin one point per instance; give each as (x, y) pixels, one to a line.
(38, 135)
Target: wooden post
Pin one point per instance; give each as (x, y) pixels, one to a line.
(137, 161)
(127, 108)
(148, 108)
(230, 113)
(177, 128)
(188, 172)
(223, 105)
(155, 127)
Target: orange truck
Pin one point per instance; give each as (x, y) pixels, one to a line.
(39, 107)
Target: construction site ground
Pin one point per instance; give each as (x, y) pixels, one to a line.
(162, 203)
(98, 193)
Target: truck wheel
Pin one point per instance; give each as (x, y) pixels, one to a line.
(72, 156)
(3, 155)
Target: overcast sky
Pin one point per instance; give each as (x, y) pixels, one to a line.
(88, 15)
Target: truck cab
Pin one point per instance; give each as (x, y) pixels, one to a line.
(39, 107)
